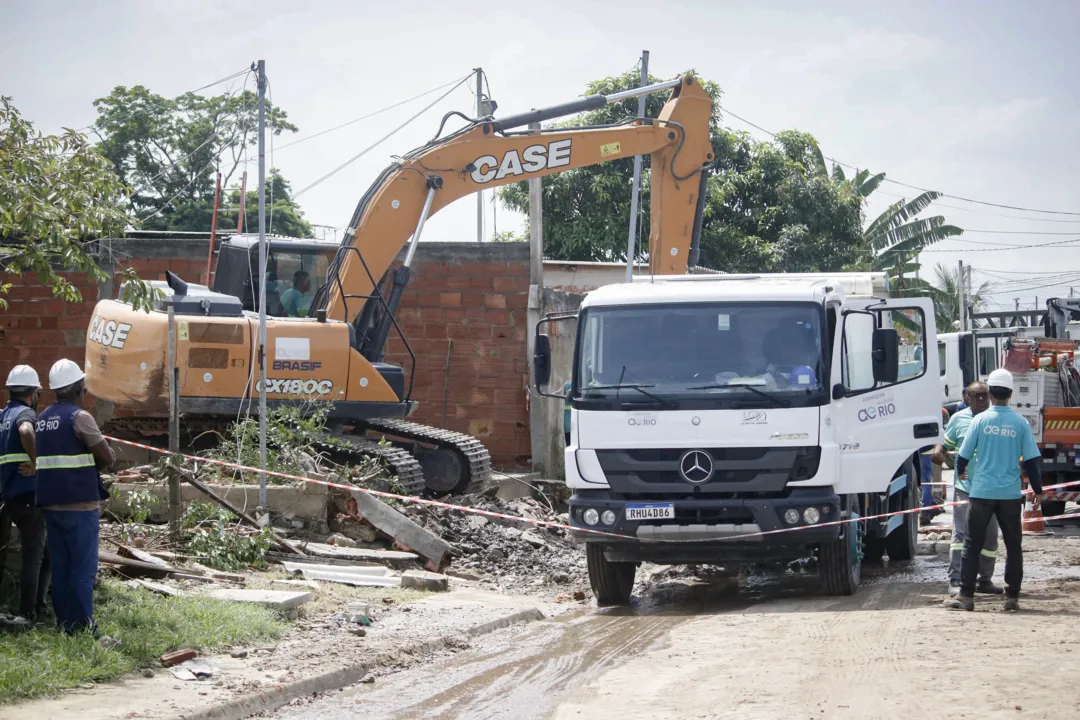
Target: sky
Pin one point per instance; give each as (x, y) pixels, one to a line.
(976, 99)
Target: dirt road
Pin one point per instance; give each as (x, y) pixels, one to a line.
(764, 648)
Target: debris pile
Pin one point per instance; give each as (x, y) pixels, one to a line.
(517, 555)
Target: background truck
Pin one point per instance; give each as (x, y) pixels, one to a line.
(1042, 359)
(735, 418)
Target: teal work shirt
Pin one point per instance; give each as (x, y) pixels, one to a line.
(955, 433)
(566, 407)
(1001, 438)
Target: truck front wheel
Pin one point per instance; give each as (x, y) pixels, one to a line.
(612, 582)
(840, 561)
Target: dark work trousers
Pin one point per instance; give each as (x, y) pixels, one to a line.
(73, 544)
(34, 562)
(1008, 514)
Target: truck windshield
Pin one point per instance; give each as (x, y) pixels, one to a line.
(729, 349)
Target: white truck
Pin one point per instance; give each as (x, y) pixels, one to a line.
(735, 418)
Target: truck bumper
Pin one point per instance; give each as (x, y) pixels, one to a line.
(708, 530)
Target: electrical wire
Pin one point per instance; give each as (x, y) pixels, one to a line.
(916, 187)
(201, 145)
(1003, 247)
(378, 142)
(455, 83)
(133, 113)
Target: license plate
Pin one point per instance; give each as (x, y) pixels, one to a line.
(661, 511)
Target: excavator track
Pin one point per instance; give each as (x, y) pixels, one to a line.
(473, 460)
(409, 474)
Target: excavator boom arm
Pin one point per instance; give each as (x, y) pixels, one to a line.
(484, 156)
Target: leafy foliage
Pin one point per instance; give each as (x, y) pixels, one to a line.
(169, 151)
(231, 548)
(291, 433)
(57, 195)
(771, 206)
(945, 294)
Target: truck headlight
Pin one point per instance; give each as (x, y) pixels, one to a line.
(791, 516)
(590, 516)
(608, 516)
(811, 515)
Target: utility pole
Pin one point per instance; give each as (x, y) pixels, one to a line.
(635, 190)
(480, 194)
(537, 428)
(960, 297)
(262, 283)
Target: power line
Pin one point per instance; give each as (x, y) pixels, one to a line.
(916, 187)
(378, 142)
(1004, 247)
(377, 112)
(133, 113)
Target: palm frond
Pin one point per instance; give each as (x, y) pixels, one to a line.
(869, 186)
(900, 212)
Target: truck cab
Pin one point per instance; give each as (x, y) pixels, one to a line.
(733, 418)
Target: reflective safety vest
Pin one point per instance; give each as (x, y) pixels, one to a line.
(65, 468)
(12, 484)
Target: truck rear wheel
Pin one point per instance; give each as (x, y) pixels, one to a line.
(840, 561)
(612, 582)
(903, 541)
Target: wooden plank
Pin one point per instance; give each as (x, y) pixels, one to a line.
(404, 531)
(124, 562)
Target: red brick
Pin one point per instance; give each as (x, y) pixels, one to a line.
(472, 300)
(453, 315)
(495, 301)
(484, 282)
(450, 299)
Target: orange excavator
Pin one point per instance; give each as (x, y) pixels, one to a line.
(347, 294)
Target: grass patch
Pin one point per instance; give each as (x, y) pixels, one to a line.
(44, 662)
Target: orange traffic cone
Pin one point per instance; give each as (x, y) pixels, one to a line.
(1033, 522)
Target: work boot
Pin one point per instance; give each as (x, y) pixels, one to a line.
(987, 587)
(1012, 604)
(954, 589)
(961, 602)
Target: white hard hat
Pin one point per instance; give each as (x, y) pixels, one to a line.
(23, 376)
(1001, 378)
(65, 372)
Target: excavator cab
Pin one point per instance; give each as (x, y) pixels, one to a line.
(296, 270)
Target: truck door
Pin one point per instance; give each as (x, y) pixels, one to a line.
(879, 424)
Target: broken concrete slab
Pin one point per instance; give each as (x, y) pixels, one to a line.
(389, 557)
(512, 486)
(404, 531)
(166, 590)
(276, 599)
(369, 576)
(424, 580)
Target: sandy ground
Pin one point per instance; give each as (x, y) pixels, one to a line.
(762, 647)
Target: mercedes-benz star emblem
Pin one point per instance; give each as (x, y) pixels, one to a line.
(696, 466)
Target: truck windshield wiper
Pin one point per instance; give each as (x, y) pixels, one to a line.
(779, 402)
(640, 387)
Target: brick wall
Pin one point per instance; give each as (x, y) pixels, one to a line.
(469, 300)
(468, 296)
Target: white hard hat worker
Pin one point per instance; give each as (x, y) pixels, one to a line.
(23, 376)
(1000, 378)
(65, 373)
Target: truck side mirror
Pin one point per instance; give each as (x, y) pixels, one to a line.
(886, 355)
(542, 360)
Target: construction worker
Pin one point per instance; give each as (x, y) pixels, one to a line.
(566, 411)
(18, 484)
(977, 397)
(71, 451)
(1001, 439)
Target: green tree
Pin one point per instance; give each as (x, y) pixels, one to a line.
(57, 194)
(168, 151)
(283, 215)
(770, 205)
(944, 292)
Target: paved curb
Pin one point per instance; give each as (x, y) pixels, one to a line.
(278, 695)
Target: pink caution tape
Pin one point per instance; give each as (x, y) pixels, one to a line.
(546, 523)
